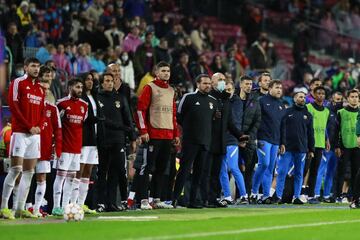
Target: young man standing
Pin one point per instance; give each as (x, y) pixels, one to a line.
(320, 116)
(347, 146)
(297, 139)
(26, 100)
(50, 132)
(156, 120)
(73, 113)
(272, 111)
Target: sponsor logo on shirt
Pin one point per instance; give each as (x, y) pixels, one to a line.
(211, 105)
(197, 103)
(82, 109)
(305, 117)
(34, 99)
(117, 104)
(48, 113)
(74, 118)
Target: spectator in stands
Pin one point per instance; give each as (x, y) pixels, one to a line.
(87, 34)
(233, 66)
(132, 40)
(134, 8)
(302, 38)
(97, 62)
(61, 60)
(24, 15)
(258, 56)
(10, 17)
(145, 57)
(163, 26)
(355, 19)
(174, 35)
(107, 15)
(114, 35)
(99, 41)
(198, 37)
(148, 78)
(217, 64)
(14, 42)
(127, 70)
(191, 50)
(181, 72)
(154, 40)
(110, 56)
(301, 67)
(201, 67)
(252, 25)
(162, 51)
(240, 56)
(35, 38)
(328, 33)
(75, 27)
(95, 10)
(82, 61)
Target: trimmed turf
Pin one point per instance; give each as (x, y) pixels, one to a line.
(231, 223)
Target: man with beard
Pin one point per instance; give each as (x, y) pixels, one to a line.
(297, 139)
(263, 81)
(73, 112)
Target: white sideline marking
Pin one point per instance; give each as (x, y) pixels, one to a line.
(247, 230)
(128, 217)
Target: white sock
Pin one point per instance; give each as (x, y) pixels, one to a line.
(15, 192)
(151, 199)
(39, 194)
(9, 184)
(131, 195)
(67, 188)
(228, 198)
(75, 190)
(58, 186)
(83, 190)
(24, 187)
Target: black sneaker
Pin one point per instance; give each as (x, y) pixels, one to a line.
(113, 208)
(242, 201)
(253, 199)
(329, 200)
(101, 208)
(276, 200)
(314, 200)
(124, 205)
(267, 200)
(194, 206)
(297, 201)
(221, 204)
(174, 203)
(228, 202)
(354, 205)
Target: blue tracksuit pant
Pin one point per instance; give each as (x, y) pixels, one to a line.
(231, 162)
(298, 159)
(327, 169)
(266, 153)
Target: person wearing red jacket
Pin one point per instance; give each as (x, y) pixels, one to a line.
(73, 112)
(26, 101)
(50, 133)
(156, 121)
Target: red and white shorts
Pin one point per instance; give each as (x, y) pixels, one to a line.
(25, 145)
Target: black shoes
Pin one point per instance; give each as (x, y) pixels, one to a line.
(297, 201)
(113, 208)
(194, 206)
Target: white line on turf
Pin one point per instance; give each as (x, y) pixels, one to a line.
(128, 217)
(246, 230)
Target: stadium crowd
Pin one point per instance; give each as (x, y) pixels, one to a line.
(117, 111)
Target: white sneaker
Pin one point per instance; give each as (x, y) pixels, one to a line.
(37, 213)
(345, 200)
(166, 206)
(145, 205)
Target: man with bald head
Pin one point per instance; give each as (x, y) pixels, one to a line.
(222, 121)
(120, 87)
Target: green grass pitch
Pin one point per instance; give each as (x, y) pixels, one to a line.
(323, 222)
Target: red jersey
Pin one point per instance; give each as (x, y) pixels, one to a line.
(73, 112)
(142, 116)
(26, 101)
(50, 132)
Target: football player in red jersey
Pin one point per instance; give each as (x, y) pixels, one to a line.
(73, 112)
(26, 102)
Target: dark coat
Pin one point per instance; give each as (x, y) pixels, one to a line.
(89, 133)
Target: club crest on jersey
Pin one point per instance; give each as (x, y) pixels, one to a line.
(117, 104)
(48, 113)
(101, 104)
(305, 117)
(211, 105)
(280, 107)
(82, 109)
(151, 148)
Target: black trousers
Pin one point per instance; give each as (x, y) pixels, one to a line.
(156, 161)
(348, 167)
(193, 157)
(170, 175)
(111, 172)
(210, 180)
(250, 157)
(313, 165)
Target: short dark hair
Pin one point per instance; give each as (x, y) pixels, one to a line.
(162, 64)
(245, 77)
(352, 91)
(315, 80)
(31, 60)
(200, 76)
(74, 81)
(319, 88)
(103, 76)
(274, 82)
(44, 69)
